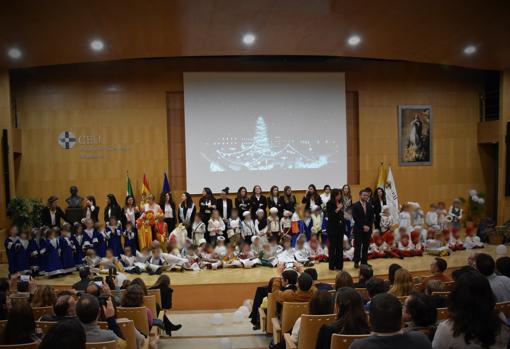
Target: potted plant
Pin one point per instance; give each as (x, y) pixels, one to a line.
(25, 213)
(475, 208)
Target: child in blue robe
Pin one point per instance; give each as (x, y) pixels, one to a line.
(113, 231)
(78, 241)
(91, 236)
(306, 225)
(22, 259)
(9, 248)
(131, 238)
(67, 249)
(54, 264)
(37, 248)
(102, 243)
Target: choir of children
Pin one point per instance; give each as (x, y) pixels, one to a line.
(258, 238)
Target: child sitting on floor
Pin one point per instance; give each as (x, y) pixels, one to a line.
(472, 241)
(417, 245)
(348, 253)
(220, 248)
(317, 253)
(377, 246)
(302, 252)
(456, 243)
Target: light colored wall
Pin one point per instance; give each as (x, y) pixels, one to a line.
(125, 102)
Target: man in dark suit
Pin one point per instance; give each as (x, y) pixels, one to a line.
(363, 215)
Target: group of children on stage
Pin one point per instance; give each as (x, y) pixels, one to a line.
(266, 239)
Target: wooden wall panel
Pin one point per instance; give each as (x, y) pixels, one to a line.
(352, 113)
(128, 102)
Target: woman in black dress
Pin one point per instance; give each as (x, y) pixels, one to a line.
(112, 208)
(287, 200)
(336, 230)
(207, 204)
(242, 201)
(377, 203)
(257, 201)
(274, 200)
(166, 202)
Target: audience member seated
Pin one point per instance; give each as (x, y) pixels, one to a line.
(392, 269)
(474, 322)
(456, 274)
(65, 334)
(386, 321)
(163, 285)
(403, 284)
(375, 286)
(4, 291)
(64, 309)
(43, 297)
(318, 285)
(365, 274)
(351, 318)
(500, 284)
(343, 279)
(85, 277)
(437, 268)
(88, 311)
(436, 286)
(320, 304)
(20, 327)
(420, 313)
(133, 298)
(503, 266)
(284, 292)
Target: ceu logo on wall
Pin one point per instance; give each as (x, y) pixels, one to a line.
(67, 140)
(90, 146)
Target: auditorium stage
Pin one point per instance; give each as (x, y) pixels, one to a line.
(227, 288)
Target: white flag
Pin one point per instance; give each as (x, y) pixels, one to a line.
(391, 195)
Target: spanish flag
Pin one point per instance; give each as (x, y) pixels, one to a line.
(381, 178)
(146, 188)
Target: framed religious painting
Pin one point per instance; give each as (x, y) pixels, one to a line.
(415, 135)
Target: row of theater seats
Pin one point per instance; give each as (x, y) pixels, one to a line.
(310, 324)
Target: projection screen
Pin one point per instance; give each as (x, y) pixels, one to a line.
(244, 129)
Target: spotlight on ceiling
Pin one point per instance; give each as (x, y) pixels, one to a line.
(14, 53)
(249, 39)
(354, 40)
(469, 50)
(97, 45)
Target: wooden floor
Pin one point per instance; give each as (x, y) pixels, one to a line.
(227, 288)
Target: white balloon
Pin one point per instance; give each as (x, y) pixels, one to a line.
(225, 343)
(475, 198)
(238, 316)
(473, 192)
(216, 319)
(481, 201)
(247, 303)
(501, 250)
(244, 310)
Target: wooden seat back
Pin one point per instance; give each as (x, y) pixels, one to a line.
(139, 317)
(45, 326)
(291, 311)
(155, 292)
(40, 311)
(101, 345)
(310, 326)
(343, 341)
(150, 302)
(271, 312)
(442, 314)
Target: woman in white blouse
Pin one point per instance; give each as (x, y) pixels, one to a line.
(130, 210)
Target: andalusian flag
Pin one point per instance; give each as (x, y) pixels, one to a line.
(166, 185)
(129, 191)
(381, 178)
(146, 188)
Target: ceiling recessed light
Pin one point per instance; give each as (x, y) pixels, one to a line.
(354, 40)
(14, 53)
(249, 39)
(469, 50)
(97, 45)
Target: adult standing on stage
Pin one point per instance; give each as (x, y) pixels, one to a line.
(363, 215)
(336, 230)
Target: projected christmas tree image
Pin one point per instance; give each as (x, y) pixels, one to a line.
(260, 153)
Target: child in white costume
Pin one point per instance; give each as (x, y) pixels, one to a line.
(348, 253)
(273, 223)
(302, 252)
(234, 227)
(386, 219)
(248, 227)
(216, 226)
(197, 229)
(472, 241)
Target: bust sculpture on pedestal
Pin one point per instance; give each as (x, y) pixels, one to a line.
(74, 211)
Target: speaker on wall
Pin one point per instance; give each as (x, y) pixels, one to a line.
(507, 160)
(5, 162)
